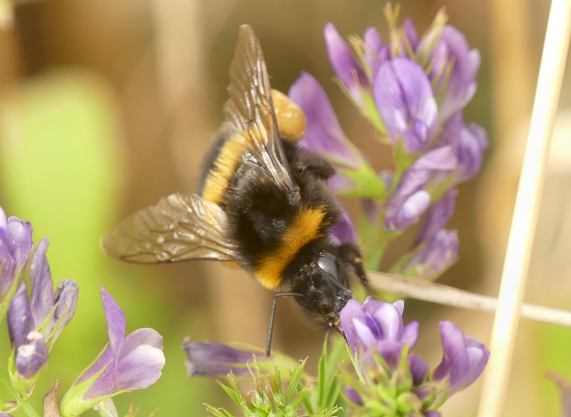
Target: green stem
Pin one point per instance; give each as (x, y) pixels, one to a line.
(21, 402)
(28, 408)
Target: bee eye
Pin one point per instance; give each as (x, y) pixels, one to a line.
(326, 264)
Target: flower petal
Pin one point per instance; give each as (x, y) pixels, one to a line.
(41, 294)
(437, 217)
(389, 319)
(405, 102)
(376, 51)
(410, 33)
(418, 369)
(20, 321)
(104, 359)
(409, 212)
(461, 84)
(463, 360)
(353, 395)
(343, 231)
(323, 135)
(352, 310)
(141, 368)
(343, 61)
(65, 303)
(20, 239)
(437, 162)
(30, 357)
(116, 324)
(216, 360)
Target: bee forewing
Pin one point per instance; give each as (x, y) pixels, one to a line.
(180, 227)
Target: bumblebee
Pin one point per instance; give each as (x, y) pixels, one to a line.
(263, 203)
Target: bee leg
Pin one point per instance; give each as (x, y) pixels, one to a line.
(273, 317)
(352, 255)
(307, 163)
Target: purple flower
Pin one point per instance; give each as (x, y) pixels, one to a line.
(323, 135)
(353, 395)
(395, 378)
(376, 51)
(410, 211)
(127, 363)
(410, 198)
(344, 63)
(343, 231)
(377, 327)
(36, 320)
(217, 360)
(410, 33)
(15, 247)
(404, 98)
(437, 217)
(435, 249)
(464, 358)
(434, 256)
(452, 49)
(468, 142)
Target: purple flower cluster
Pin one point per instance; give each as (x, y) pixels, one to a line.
(381, 342)
(413, 89)
(36, 313)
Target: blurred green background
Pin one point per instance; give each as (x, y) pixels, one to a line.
(107, 105)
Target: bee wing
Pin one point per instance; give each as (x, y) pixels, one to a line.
(180, 227)
(249, 110)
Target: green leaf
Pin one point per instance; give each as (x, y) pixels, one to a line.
(218, 412)
(366, 183)
(295, 382)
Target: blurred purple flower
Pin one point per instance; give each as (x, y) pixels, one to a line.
(323, 135)
(217, 360)
(344, 63)
(468, 142)
(464, 358)
(435, 249)
(411, 33)
(410, 199)
(353, 395)
(404, 98)
(437, 217)
(127, 363)
(410, 211)
(377, 327)
(376, 51)
(343, 231)
(452, 49)
(418, 369)
(15, 247)
(435, 255)
(36, 320)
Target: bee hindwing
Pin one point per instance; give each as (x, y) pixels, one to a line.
(249, 111)
(180, 227)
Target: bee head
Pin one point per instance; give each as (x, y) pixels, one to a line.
(323, 287)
